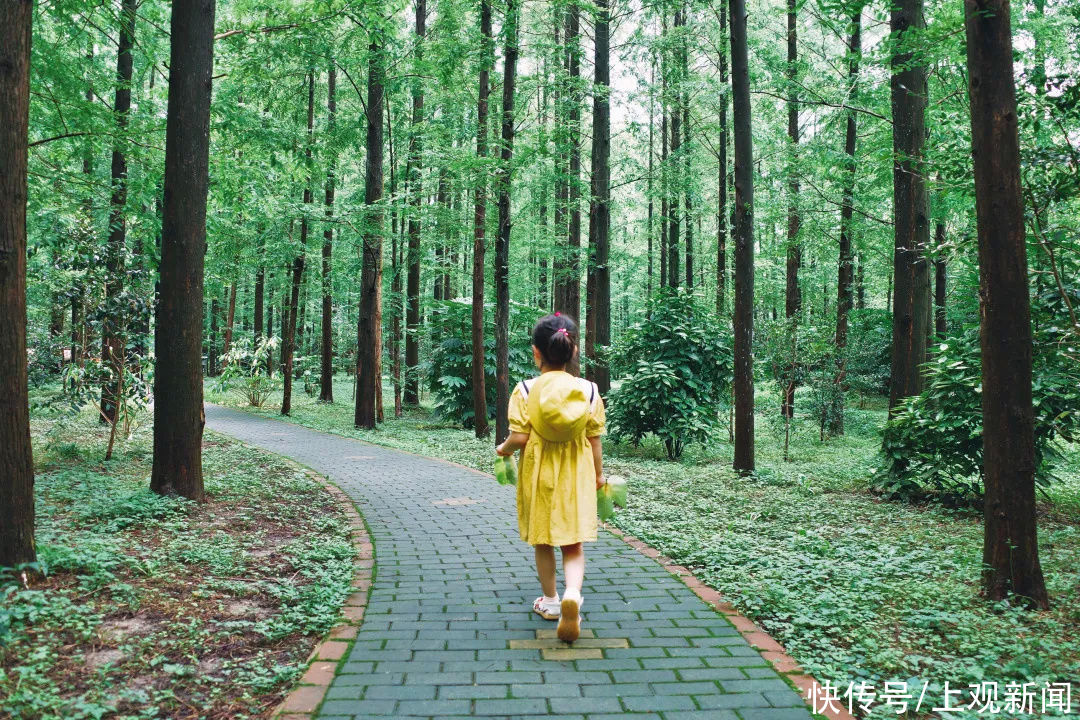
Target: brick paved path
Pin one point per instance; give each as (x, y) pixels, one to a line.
(453, 591)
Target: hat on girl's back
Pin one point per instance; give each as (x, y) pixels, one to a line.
(559, 408)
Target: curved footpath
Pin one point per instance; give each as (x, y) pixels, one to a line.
(449, 631)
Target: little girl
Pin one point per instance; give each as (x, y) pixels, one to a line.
(558, 420)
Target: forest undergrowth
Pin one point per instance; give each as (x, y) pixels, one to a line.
(857, 587)
(153, 606)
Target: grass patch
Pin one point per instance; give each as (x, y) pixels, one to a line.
(856, 588)
(158, 607)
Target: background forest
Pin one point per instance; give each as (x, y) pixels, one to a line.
(396, 191)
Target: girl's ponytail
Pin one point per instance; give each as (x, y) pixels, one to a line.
(555, 336)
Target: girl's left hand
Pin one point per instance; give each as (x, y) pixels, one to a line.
(600, 481)
(499, 451)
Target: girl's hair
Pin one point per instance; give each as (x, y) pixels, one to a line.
(555, 336)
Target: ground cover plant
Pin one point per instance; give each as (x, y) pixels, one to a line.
(856, 586)
(154, 606)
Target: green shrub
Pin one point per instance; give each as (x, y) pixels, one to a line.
(244, 370)
(869, 351)
(678, 374)
(449, 372)
(934, 440)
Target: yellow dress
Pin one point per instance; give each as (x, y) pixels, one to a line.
(556, 490)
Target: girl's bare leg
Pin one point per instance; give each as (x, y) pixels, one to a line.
(545, 570)
(573, 559)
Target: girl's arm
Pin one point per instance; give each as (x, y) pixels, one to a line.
(598, 459)
(515, 442)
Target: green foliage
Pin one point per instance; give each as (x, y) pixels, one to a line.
(449, 372)
(244, 370)
(869, 352)
(677, 374)
(146, 599)
(934, 441)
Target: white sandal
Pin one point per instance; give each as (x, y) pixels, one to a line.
(547, 608)
(569, 619)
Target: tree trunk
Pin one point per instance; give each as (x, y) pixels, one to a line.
(940, 277)
(260, 288)
(675, 182)
(722, 179)
(793, 294)
(178, 381)
(664, 179)
(367, 330)
(230, 318)
(559, 266)
(1010, 550)
(502, 242)
(113, 324)
(744, 243)
(480, 422)
(211, 346)
(598, 332)
(326, 364)
(299, 261)
(845, 268)
(911, 291)
(688, 200)
(649, 190)
(572, 306)
(412, 312)
(16, 454)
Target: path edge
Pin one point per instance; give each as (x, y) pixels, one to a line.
(307, 694)
(771, 650)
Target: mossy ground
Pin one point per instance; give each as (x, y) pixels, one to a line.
(158, 607)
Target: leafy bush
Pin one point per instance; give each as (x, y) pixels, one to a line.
(934, 440)
(449, 372)
(679, 372)
(869, 351)
(244, 370)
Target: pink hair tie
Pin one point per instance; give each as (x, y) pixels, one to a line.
(563, 331)
(557, 313)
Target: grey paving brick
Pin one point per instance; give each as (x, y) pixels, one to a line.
(458, 692)
(517, 706)
(742, 686)
(661, 703)
(587, 705)
(775, 714)
(550, 690)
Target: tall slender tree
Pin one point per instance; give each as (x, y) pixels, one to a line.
(722, 172)
(480, 420)
(598, 313)
(16, 454)
(793, 293)
(911, 292)
(845, 264)
(326, 365)
(415, 166)
(572, 304)
(502, 242)
(178, 381)
(940, 279)
(299, 261)
(1011, 548)
(675, 127)
(367, 335)
(744, 242)
(112, 330)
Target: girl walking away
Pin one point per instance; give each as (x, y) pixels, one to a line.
(557, 420)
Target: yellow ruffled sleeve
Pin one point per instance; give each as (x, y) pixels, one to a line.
(597, 419)
(519, 412)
